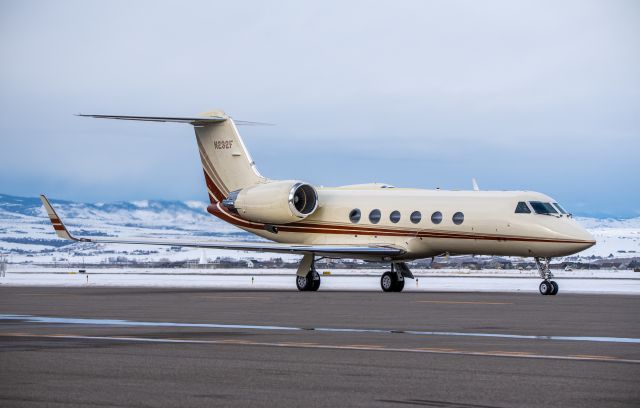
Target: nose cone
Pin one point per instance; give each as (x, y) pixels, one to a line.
(581, 237)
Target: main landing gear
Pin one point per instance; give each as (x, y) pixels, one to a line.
(393, 280)
(547, 286)
(307, 278)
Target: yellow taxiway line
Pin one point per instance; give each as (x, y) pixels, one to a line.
(364, 347)
(451, 302)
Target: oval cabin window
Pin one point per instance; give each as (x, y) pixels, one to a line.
(354, 216)
(415, 217)
(458, 218)
(374, 216)
(436, 217)
(394, 216)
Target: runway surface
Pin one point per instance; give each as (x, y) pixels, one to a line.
(201, 347)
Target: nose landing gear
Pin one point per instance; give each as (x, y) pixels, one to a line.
(547, 286)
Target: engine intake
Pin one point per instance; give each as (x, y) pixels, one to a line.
(278, 202)
(303, 199)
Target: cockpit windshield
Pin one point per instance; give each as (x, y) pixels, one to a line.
(543, 208)
(560, 208)
(522, 208)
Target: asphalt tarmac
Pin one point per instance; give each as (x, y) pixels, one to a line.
(142, 347)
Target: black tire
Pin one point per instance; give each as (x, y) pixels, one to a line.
(554, 288)
(304, 283)
(399, 285)
(315, 285)
(388, 282)
(545, 287)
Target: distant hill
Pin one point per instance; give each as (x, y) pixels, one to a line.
(25, 230)
(26, 234)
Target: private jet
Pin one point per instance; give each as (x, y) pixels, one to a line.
(371, 222)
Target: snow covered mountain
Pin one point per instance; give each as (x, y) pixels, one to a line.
(620, 238)
(26, 234)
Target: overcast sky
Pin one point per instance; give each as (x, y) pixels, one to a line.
(534, 95)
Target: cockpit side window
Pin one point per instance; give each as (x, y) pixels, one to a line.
(542, 208)
(559, 207)
(522, 208)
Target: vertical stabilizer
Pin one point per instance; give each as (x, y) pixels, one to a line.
(225, 160)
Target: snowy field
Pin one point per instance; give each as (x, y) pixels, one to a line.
(27, 239)
(26, 234)
(428, 280)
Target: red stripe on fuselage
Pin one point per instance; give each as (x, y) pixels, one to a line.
(222, 213)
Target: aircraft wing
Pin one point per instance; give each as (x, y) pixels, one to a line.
(327, 250)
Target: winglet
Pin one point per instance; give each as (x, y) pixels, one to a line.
(475, 184)
(58, 226)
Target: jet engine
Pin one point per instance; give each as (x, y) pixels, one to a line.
(278, 202)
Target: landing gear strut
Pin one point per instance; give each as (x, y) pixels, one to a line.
(393, 280)
(307, 278)
(547, 286)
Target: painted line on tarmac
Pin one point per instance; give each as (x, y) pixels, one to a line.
(363, 347)
(522, 353)
(129, 323)
(452, 302)
(592, 356)
(216, 297)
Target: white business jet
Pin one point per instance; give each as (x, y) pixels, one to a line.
(372, 222)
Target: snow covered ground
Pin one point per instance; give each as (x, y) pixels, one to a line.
(428, 280)
(26, 234)
(613, 237)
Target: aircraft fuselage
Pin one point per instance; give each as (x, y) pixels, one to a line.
(408, 218)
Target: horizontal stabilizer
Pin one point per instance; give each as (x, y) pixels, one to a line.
(191, 120)
(194, 120)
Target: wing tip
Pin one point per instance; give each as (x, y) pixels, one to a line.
(56, 222)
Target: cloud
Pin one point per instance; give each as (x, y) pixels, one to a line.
(535, 95)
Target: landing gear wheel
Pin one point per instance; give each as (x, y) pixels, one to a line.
(304, 283)
(315, 285)
(311, 282)
(399, 285)
(390, 282)
(387, 282)
(546, 287)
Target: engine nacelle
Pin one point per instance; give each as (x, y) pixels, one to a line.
(278, 202)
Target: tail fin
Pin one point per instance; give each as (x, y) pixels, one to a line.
(225, 160)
